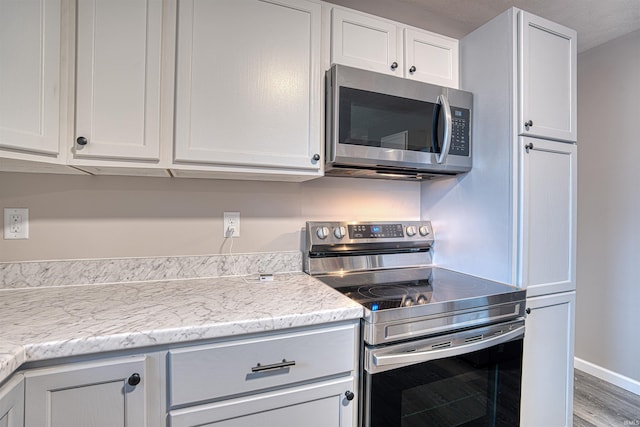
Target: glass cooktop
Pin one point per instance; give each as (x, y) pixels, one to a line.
(411, 287)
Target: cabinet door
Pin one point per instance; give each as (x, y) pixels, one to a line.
(30, 75)
(118, 78)
(12, 403)
(316, 405)
(548, 216)
(362, 41)
(430, 58)
(547, 367)
(97, 394)
(248, 84)
(547, 62)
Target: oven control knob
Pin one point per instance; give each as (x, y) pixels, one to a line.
(408, 302)
(411, 230)
(424, 230)
(322, 232)
(340, 232)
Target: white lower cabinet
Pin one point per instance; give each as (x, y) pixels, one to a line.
(12, 403)
(305, 377)
(547, 368)
(108, 393)
(322, 404)
(285, 379)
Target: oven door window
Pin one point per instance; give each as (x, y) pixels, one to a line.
(481, 388)
(385, 121)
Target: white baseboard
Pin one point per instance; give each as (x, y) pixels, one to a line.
(604, 374)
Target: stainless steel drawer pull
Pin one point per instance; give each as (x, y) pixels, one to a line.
(283, 364)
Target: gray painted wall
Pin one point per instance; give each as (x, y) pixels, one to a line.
(107, 216)
(608, 257)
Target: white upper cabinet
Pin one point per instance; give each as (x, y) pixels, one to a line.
(118, 70)
(248, 88)
(430, 58)
(547, 62)
(548, 219)
(362, 41)
(365, 41)
(30, 76)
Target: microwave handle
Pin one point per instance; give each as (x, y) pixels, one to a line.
(442, 156)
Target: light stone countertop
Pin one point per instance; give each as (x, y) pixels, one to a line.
(47, 323)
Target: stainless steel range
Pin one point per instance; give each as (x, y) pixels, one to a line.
(439, 347)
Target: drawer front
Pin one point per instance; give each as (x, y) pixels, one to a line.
(203, 373)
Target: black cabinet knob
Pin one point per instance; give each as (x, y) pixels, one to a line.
(134, 379)
(394, 65)
(528, 310)
(529, 146)
(82, 140)
(316, 157)
(412, 69)
(349, 395)
(528, 124)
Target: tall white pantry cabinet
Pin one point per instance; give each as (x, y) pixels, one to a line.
(513, 217)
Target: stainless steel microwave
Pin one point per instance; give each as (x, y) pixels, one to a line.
(380, 126)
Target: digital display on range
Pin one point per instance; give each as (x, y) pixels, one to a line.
(373, 231)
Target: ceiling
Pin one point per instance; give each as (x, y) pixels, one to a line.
(596, 21)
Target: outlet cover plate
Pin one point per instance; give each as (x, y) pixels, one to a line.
(231, 220)
(16, 223)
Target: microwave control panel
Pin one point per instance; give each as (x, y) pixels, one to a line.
(460, 129)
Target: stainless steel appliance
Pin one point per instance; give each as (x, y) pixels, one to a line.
(380, 126)
(439, 347)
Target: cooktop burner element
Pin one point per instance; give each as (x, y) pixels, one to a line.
(391, 295)
(387, 268)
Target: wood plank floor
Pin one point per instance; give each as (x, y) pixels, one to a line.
(598, 403)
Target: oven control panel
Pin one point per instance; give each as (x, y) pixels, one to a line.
(362, 233)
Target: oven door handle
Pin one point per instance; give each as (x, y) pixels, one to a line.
(410, 358)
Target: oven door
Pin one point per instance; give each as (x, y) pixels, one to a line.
(470, 378)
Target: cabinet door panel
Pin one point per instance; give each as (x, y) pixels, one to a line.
(30, 75)
(548, 222)
(95, 394)
(248, 83)
(12, 403)
(547, 368)
(434, 57)
(361, 41)
(118, 78)
(548, 78)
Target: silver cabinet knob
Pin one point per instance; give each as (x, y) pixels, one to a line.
(529, 146)
(81, 140)
(316, 157)
(528, 124)
(412, 69)
(394, 65)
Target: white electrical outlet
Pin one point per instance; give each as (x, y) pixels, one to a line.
(231, 224)
(16, 223)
